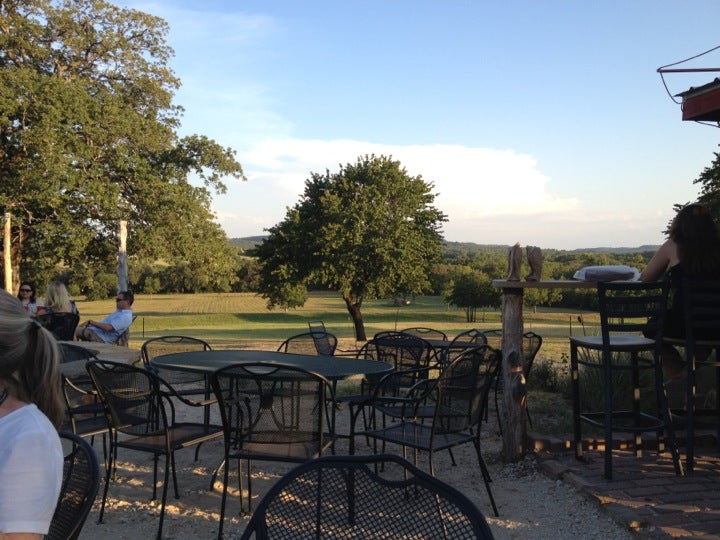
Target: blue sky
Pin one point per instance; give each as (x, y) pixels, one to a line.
(539, 122)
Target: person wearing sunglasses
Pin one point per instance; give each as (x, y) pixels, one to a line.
(109, 329)
(30, 302)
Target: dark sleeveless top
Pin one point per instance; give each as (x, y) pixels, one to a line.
(674, 326)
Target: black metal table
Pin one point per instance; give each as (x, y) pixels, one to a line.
(331, 367)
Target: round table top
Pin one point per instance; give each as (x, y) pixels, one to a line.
(331, 367)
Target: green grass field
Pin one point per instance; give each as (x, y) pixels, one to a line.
(242, 319)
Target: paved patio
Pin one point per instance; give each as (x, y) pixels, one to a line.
(644, 494)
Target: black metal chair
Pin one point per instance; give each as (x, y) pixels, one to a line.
(425, 333)
(61, 325)
(271, 412)
(448, 413)
(701, 309)
(184, 382)
(322, 343)
(408, 356)
(348, 497)
(467, 339)
(319, 327)
(84, 414)
(622, 352)
(81, 479)
(123, 339)
(531, 345)
(141, 412)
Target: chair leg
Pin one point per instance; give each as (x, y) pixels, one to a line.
(607, 421)
(164, 495)
(249, 484)
(174, 474)
(486, 476)
(690, 417)
(670, 441)
(108, 475)
(575, 386)
(224, 497)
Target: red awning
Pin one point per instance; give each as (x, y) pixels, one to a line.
(702, 103)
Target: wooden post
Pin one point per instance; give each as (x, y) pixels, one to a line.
(7, 254)
(122, 271)
(515, 410)
(515, 414)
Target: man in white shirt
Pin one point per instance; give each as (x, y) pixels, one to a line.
(111, 327)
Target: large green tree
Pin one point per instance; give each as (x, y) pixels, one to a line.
(472, 290)
(88, 137)
(709, 181)
(368, 231)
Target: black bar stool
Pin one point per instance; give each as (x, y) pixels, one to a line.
(629, 311)
(701, 309)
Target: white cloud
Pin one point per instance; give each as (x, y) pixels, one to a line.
(474, 185)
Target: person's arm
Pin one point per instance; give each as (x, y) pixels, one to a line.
(659, 262)
(105, 327)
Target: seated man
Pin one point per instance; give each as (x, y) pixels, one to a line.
(111, 327)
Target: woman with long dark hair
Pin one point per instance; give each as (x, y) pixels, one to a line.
(692, 250)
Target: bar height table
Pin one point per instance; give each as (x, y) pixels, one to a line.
(515, 430)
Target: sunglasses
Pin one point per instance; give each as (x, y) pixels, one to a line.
(119, 299)
(25, 290)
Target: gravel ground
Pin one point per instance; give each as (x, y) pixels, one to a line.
(531, 505)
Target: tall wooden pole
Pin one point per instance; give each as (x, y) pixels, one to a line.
(515, 425)
(122, 271)
(7, 254)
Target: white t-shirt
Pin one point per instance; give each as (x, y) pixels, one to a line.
(31, 470)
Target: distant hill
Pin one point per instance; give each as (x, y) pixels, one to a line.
(249, 242)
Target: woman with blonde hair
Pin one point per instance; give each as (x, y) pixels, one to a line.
(57, 299)
(31, 409)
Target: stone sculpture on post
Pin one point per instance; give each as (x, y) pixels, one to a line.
(514, 262)
(534, 255)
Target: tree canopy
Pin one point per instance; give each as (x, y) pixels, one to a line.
(368, 231)
(709, 181)
(88, 137)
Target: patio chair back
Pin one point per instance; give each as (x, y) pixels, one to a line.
(701, 309)
(469, 338)
(455, 404)
(381, 496)
(425, 333)
(61, 325)
(462, 390)
(184, 382)
(81, 479)
(271, 412)
(141, 412)
(404, 351)
(322, 343)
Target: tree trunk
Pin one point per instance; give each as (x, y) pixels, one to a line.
(122, 271)
(7, 255)
(356, 316)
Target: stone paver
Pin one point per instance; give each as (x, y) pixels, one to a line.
(645, 494)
